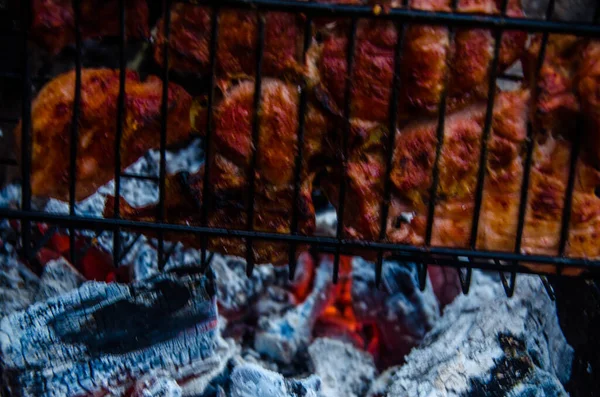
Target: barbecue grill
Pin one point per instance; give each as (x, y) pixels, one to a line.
(20, 77)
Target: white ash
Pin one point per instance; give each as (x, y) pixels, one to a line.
(344, 370)
(58, 277)
(103, 336)
(18, 285)
(235, 291)
(380, 386)
(326, 223)
(156, 384)
(275, 302)
(250, 355)
(281, 338)
(488, 343)
(402, 312)
(251, 380)
(195, 379)
(137, 192)
(10, 196)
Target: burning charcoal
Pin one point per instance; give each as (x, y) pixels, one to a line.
(251, 380)
(103, 336)
(18, 285)
(401, 311)
(344, 370)
(235, 291)
(58, 277)
(158, 384)
(488, 344)
(275, 302)
(282, 337)
(303, 275)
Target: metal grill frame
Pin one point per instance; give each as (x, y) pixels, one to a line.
(459, 258)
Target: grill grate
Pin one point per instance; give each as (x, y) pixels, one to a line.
(503, 262)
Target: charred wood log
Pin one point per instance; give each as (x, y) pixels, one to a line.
(105, 336)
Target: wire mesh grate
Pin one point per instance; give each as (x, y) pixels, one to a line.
(509, 263)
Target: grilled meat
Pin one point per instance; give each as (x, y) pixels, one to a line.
(411, 177)
(190, 36)
(52, 116)
(423, 68)
(53, 21)
(565, 105)
(229, 178)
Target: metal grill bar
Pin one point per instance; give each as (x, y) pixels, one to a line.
(440, 139)
(530, 145)
(489, 116)
(260, 45)
(163, 132)
(387, 188)
(92, 223)
(438, 151)
(214, 37)
(575, 153)
(566, 214)
(462, 19)
(9, 162)
(119, 132)
(509, 285)
(26, 140)
(346, 133)
(139, 177)
(74, 142)
(302, 106)
(9, 120)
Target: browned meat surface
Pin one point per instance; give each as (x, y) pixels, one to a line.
(189, 42)
(53, 21)
(274, 177)
(566, 104)
(423, 67)
(52, 116)
(414, 156)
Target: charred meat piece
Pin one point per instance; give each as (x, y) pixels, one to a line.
(229, 174)
(52, 117)
(190, 36)
(53, 21)
(557, 105)
(411, 175)
(566, 104)
(423, 68)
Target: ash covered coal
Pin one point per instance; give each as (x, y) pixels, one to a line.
(105, 336)
(283, 337)
(235, 290)
(156, 384)
(402, 312)
(343, 369)
(58, 277)
(487, 344)
(251, 380)
(18, 285)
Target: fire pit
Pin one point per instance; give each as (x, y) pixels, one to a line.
(389, 274)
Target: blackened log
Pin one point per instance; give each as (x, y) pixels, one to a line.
(103, 336)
